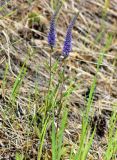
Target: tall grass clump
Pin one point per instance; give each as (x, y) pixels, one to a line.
(111, 150)
(86, 138)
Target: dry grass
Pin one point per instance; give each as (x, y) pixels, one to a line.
(18, 38)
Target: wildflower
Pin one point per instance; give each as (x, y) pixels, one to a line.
(52, 33)
(52, 30)
(68, 39)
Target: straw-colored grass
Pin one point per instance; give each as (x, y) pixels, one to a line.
(87, 125)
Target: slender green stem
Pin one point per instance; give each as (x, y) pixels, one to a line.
(50, 79)
(62, 88)
(50, 65)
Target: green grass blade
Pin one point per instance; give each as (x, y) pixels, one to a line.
(17, 83)
(54, 145)
(19, 156)
(87, 147)
(61, 132)
(42, 138)
(112, 138)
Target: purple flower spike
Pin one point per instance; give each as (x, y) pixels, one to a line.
(52, 30)
(52, 33)
(68, 39)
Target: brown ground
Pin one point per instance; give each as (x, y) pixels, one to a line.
(18, 37)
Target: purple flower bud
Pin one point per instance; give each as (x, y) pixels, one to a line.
(68, 39)
(52, 30)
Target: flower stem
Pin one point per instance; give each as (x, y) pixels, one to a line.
(62, 88)
(50, 65)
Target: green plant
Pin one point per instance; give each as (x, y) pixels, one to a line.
(57, 137)
(19, 156)
(111, 150)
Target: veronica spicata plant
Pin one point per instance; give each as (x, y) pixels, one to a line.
(68, 39)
